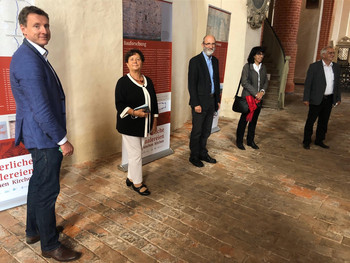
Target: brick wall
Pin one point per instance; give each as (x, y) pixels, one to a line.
(286, 24)
(328, 6)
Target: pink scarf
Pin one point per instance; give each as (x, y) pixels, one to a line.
(252, 106)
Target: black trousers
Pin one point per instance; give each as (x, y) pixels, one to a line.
(322, 112)
(251, 127)
(201, 130)
(44, 187)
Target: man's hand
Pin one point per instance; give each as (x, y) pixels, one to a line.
(306, 103)
(198, 109)
(67, 149)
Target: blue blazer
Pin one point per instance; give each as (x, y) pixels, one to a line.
(40, 100)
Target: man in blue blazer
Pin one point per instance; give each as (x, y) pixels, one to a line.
(321, 93)
(204, 89)
(41, 126)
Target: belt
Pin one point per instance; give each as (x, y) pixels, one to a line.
(212, 95)
(327, 96)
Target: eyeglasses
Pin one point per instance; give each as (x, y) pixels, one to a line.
(209, 44)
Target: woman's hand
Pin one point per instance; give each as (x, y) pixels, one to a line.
(154, 126)
(259, 95)
(140, 113)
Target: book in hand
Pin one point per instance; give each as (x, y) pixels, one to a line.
(143, 107)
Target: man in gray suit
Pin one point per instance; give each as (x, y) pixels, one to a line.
(321, 93)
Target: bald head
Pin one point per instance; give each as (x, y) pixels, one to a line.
(209, 44)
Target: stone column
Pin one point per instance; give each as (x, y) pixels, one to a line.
(286, 24)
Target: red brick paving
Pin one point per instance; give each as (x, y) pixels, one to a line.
(278, 204)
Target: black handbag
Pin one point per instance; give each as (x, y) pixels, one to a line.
(240, 104)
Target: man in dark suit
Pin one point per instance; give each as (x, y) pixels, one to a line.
(41, 126)
(321, 93)
(204, 89)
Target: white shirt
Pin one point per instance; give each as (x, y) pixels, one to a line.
(44, 53)
(328, 72)
(257, 68)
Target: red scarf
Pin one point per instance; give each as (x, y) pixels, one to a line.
(252, 105)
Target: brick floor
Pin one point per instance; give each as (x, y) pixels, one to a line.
(277, 204)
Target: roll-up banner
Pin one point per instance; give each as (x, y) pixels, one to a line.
(218, 25)
(147, 26)
(16, 165)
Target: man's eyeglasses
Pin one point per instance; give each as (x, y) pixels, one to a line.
(209, 44)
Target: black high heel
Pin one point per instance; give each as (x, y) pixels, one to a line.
(138, 189)
(128, 182)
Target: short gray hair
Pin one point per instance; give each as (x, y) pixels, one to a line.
(324, 50)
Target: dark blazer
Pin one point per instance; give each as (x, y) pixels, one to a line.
(199, 83)
(40, 100)
(315, 83)
(249, 80)
(128, 94)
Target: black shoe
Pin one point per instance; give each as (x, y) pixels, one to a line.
(253, 145)
(306, 146)
(138, 189)
(34, 239)
(321, 144)
(196, 162)
(62, 253)
(128, 182)
(240, 146)
(207, 159)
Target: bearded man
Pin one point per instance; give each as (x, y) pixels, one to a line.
(204, 89)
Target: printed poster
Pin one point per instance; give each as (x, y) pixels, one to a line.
(16, 165)
(218, 25)
(147, 25)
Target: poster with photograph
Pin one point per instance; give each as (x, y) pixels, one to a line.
(218, 25)
(147, 26)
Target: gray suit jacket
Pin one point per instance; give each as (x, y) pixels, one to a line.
(315, 83)
(249, 80)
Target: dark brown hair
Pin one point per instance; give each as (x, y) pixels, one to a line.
(22, 17)
(132, 52)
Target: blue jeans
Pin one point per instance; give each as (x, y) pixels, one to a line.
(44, 187)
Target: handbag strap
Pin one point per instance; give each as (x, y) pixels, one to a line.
(239, 85)
(240, 81)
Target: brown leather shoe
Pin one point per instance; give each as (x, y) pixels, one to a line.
(34, 239)
(62, 253)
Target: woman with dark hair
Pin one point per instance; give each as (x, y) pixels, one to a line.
(137, 113)
(254, 83)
